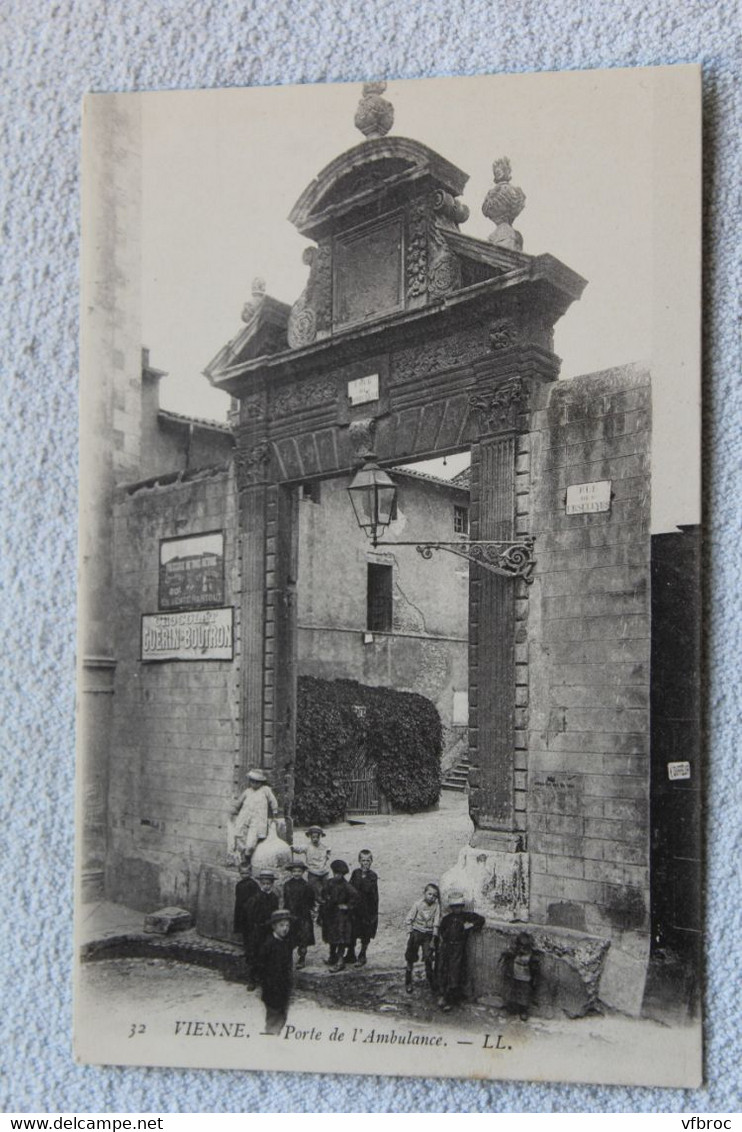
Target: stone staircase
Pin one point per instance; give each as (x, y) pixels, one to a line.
(457, 777)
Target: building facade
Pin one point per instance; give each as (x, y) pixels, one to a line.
(410, 341)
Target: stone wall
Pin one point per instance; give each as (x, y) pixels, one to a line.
(589, 652)
(426, 650)
(175, 738)
(110, 370)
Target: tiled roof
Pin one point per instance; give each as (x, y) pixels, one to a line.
(201, 422)
(414, 474)
(463, 478)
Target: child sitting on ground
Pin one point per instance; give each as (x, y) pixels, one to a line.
(422, 922)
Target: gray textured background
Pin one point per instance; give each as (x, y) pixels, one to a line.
(51, 53)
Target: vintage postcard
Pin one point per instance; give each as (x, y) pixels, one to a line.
(389, 593)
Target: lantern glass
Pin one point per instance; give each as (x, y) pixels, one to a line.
(372, 494)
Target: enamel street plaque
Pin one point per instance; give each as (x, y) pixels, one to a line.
(585, 498)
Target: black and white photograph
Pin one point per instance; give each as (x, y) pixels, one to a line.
(389, 752)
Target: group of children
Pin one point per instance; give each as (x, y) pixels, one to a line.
(347, 911)
(347, 914)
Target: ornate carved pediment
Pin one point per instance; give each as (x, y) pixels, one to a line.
(500, 409)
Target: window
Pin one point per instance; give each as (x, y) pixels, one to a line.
(461, 520)
(311, 491)
(379, 598)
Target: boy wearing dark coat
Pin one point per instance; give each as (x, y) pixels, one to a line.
(365, 918)
(339, 900)
(453, 937)
(244, 890)
(275, 989)
(299, 899)
(256, 920)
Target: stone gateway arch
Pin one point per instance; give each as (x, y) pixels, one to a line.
(451, 337)
(413, 340)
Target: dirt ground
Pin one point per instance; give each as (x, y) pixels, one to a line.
(410, 850)
(129, 1012)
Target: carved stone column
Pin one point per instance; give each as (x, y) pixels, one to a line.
(281, 620)
(493, 872)
(252, 469)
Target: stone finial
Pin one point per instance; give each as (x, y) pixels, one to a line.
(258, 294)
(374, 116)
(503, 203)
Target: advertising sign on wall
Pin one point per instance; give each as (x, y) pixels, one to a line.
(192, 571)
(199, 634)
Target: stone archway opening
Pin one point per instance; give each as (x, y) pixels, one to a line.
(383, 616)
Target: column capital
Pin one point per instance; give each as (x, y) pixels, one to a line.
(252, 465)
(502, 408)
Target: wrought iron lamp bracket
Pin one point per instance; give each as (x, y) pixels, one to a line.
(508, 558)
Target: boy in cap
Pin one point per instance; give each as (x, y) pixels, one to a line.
(275, 989)
(299, 900)
(257, 925)
(317, 857)
(244, 891)
(253, 810)
(453, 933)
(366, 914)
(339, 901)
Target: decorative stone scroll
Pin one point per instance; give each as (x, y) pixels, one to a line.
(449, 210)
(252, 465)
(445, 272)
(499, 409)
(312, 312)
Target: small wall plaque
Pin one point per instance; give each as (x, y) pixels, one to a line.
(676, 771)
(585, 498)
(364, 389)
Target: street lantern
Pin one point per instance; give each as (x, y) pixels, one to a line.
(372, 493)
